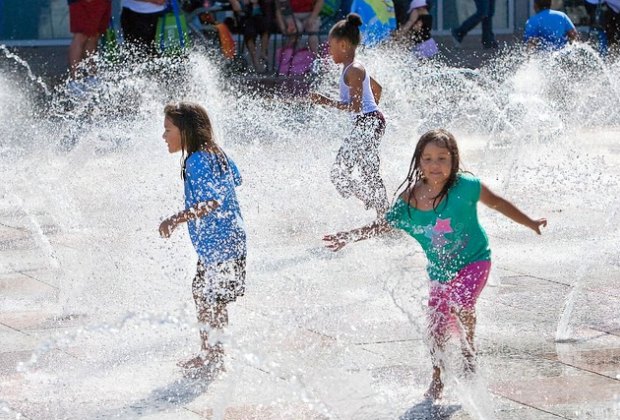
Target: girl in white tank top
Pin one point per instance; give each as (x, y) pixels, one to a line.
(359, 95)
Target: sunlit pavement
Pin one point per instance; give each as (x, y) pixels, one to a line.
(347, 345)
(96, 310)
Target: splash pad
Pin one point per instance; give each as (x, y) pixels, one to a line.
(96, 309)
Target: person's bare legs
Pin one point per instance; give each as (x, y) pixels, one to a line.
(251, 44)
(264, 48)
(76, 52)
(81, 47)
(212, 320)
(435, 389)
(313, 44)
(90, 50)
(467, 317)
(264, 45)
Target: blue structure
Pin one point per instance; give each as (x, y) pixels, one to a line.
(378, 18)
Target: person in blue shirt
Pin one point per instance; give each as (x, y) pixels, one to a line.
(548, 30)
(215, 225)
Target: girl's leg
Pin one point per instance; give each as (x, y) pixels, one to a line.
(213, 288)
(361, 149)
(465, 289)
(212, 317)
(372, 189)
(467, 317)
(342, 169)
(438, 328)
(435, 389)
(213, 320)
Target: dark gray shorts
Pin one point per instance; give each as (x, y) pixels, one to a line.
(219, 283)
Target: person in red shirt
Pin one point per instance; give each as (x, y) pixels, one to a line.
(302, 16)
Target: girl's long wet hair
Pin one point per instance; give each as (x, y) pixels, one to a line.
(196, 130)
(441, 138)
(348, 28)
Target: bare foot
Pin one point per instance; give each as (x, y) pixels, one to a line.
(435, 390)
(208, 370)
(193, 363)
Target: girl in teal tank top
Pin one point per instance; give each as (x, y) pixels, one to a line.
(437, 206)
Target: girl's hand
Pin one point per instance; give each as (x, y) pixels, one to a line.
(167, 227)
(535, 225)
(337, 241)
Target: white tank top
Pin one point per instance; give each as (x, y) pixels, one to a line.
(368, 99)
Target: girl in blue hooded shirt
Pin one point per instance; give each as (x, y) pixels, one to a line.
(214, 221)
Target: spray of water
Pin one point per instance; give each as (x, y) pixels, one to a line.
(96, 169)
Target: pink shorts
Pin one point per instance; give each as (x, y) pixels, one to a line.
(460, 293)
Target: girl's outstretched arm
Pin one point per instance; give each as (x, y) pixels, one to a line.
(509, 210)
(320, 99)
(196, 212)
(338, 240)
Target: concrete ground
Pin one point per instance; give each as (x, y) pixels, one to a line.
(95, 308)
(347, 346)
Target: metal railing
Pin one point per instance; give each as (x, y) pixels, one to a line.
(208, 34)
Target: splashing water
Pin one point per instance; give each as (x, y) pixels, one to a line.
(314, 328)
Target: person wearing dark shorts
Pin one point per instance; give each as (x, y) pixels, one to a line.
(255, 18)
(88, 19)
(215, 226)
(612, 25)
(218, 284)
(139, 24)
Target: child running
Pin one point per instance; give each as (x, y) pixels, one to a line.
(438, 207)
(359, 94)
(215, 225)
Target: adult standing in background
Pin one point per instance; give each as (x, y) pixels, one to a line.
(303, 18)
(612, 25)
(139, 24)
(485, 10)
(88, 19)
(548, 30)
